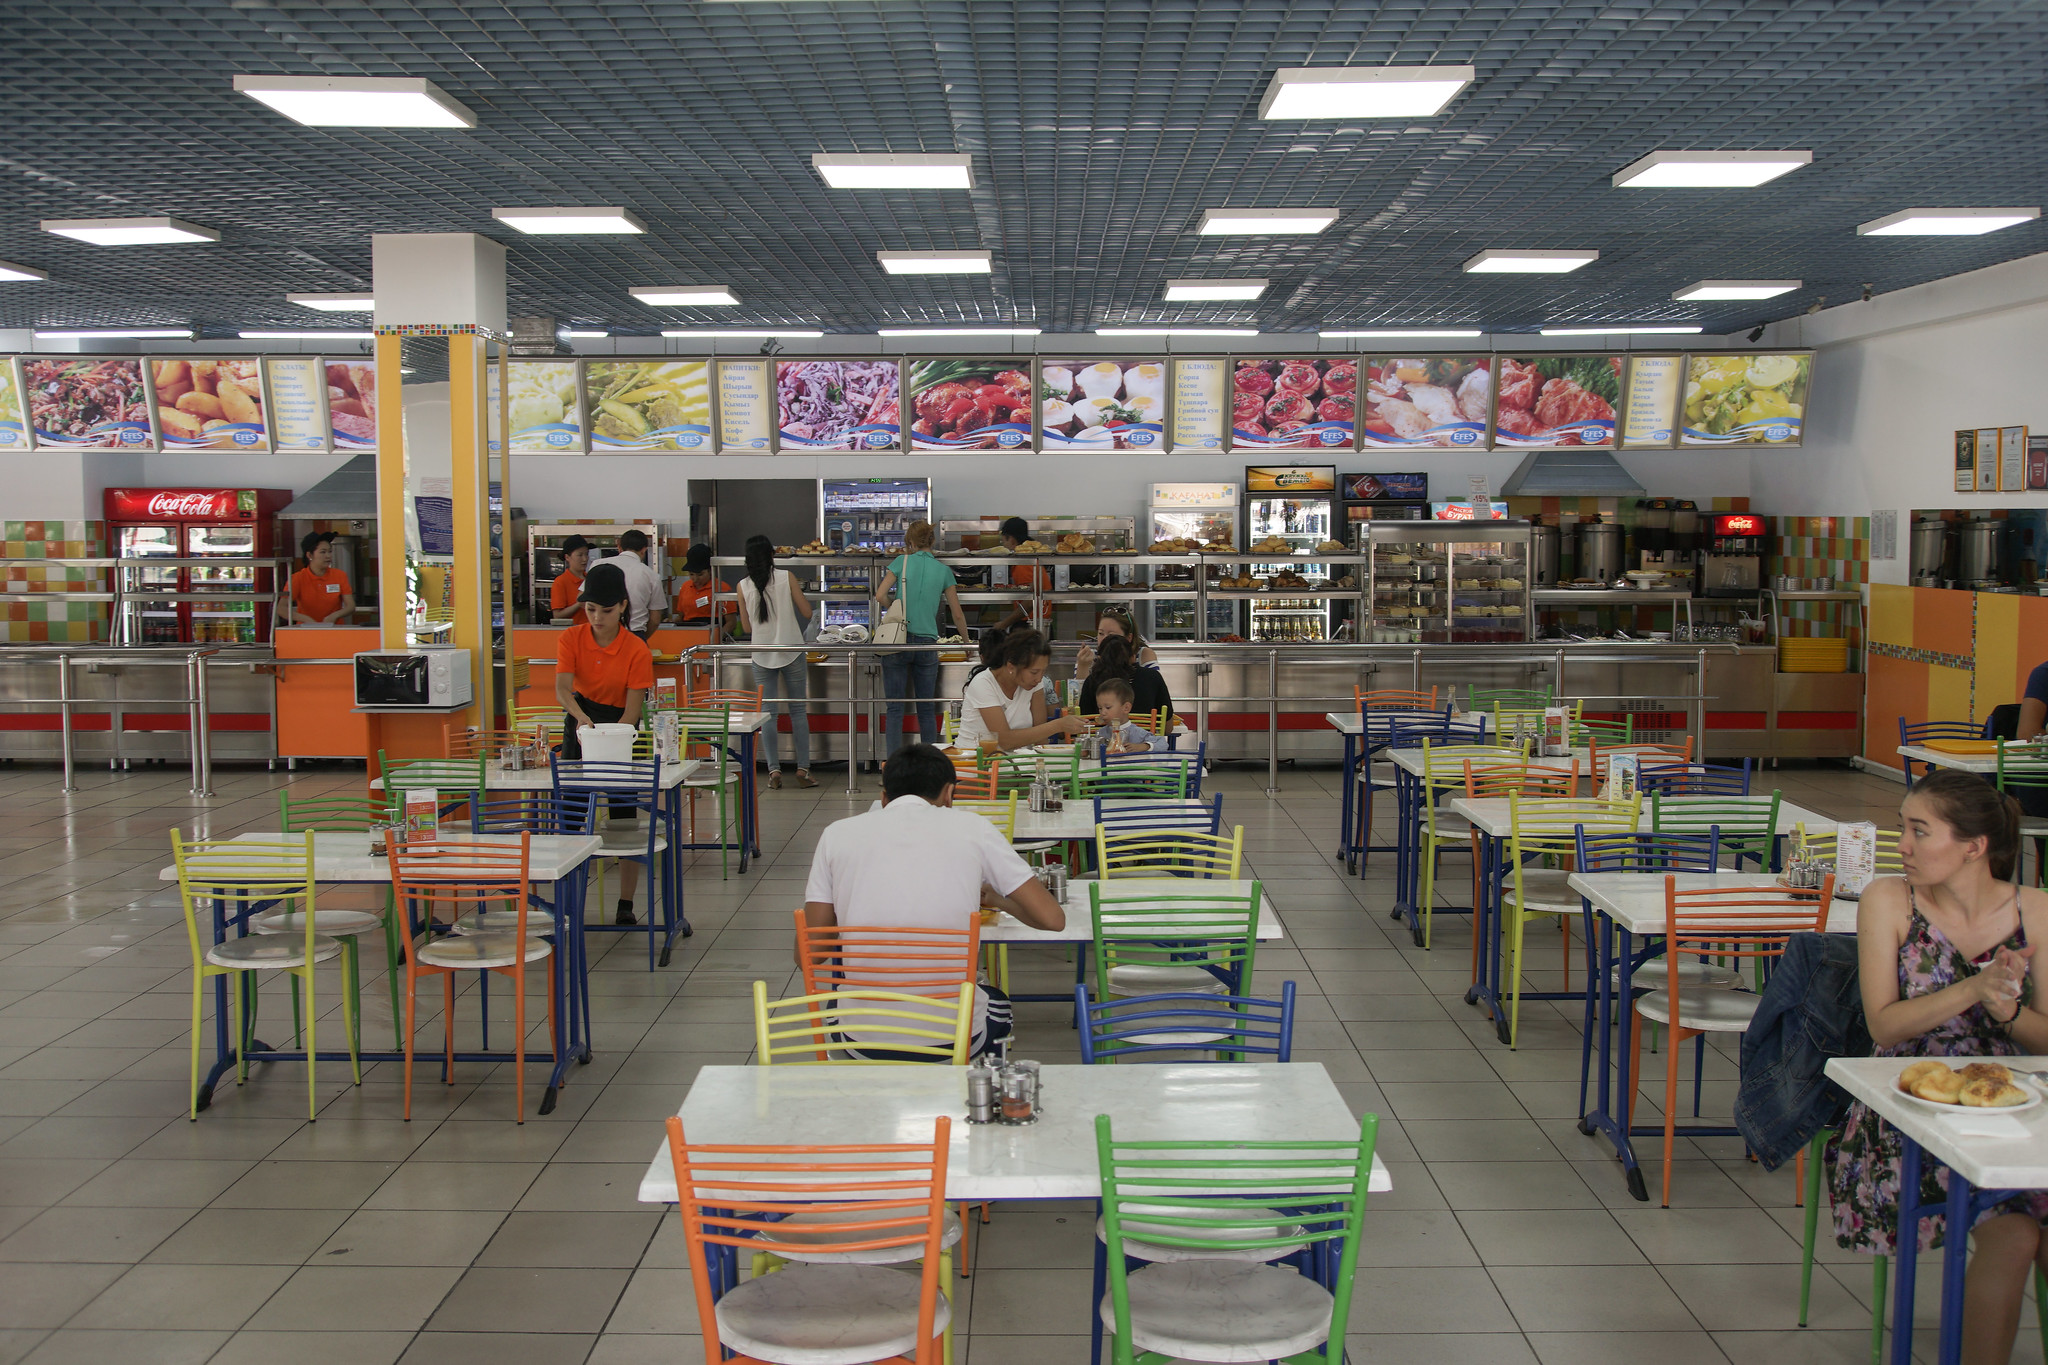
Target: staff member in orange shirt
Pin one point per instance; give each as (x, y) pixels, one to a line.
(565, 599)
(602, 675)
(320, 595)
(694, 600)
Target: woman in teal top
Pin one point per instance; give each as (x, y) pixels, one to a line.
(923, 581)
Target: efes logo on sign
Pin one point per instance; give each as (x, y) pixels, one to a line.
(1290, 478)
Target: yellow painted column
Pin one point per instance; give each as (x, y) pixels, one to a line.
(471, 469)
(391, 555)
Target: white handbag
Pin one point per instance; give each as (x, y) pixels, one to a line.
(894, 627)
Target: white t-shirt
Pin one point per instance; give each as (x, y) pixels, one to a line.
(986, 691)
(783, 626)
(643, 587)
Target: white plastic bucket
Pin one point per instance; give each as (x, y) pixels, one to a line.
(611, 743)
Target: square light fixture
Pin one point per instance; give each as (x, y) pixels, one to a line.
(1737, 289)
(306, 336)
(11, 271)
(115, 333)
(956, 331)
(1405, 334)
(683, 295)
(1707, 170)
(1264, 222)
(564, 222)
(1199, 291)
(846, 172)
(936, 262)
(358, 101)
(1945, 222)
(1176, 331)
(581, 336)
(129, 231)
(745, 333)
(1496, 261)
(1363, 91)
(1620, 329)
(334, 303)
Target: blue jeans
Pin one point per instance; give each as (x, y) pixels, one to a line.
(902, 672)
(793, 683)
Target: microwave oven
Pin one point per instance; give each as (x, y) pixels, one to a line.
(413, 677)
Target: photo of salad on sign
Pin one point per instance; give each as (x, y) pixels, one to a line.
(970, 404)
(837, 404)
(1102, 404)
(89, 403)
(1288, 404)
(1434, 401)
(1557, 400)
(648, 404)
(1745, 399)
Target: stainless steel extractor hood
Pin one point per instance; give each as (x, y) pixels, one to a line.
(1571, 471)
(348, 494)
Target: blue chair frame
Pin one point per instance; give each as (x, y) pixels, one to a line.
(1694, 779)
(1164, 815)
(1249, 1027)
(634, 784)
(1922, 731)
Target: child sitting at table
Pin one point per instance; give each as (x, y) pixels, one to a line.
(1113, 698)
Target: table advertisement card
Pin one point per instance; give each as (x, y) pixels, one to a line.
(297, 384)
(1987, 459)
(208, 404)
(838, 404)
(1651, 403)
(1102, 405)
(640, 405)
(1427, 401)
(88, 404)
(543, 408)
(1198, 404)
(352, 403)
(1297, 404)
(743, 405)
(1745, 399)
(969, 404)
(1966, 462)
(1855, 859)
(1556, 400)
(13, 419)
(2012, 459)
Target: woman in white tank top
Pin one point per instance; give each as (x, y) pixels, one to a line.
(776, 611)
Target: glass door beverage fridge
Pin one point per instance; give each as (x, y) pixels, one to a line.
(865, 514)
(1294, 504)
(226, 599)
(1205, 513)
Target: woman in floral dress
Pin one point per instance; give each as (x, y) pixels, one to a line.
(1945, 965)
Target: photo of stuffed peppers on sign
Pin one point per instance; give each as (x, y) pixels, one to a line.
(837, 404)
(1745, 399)
(1426, 401)
(1289, 404)
(209, 404)
(1102, 404)
(1557, 400)
(970, 404)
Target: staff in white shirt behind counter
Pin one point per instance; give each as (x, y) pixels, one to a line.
(1005, 702)
(647, 605)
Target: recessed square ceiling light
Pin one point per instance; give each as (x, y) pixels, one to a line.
(358, 101)
(114, 333)
(1619, 329)
(306, 336)
(683, 295)
(1737, 289)
(737, 333)
(1406, 334)
(562, 222)
(936, 262)
(1945, 222)
(334, 303)
(846, 172)
(1198, 291)
(1264, 222)
(1707, 170)
(956, 331)
(11, 271)
(1363, 91)
(1497, 261)
(1176, 331)
(129, 231)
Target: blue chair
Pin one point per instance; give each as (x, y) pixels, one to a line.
(1934, 729)
(535, 812)
(632, 789)
(1134, 1027)
(1131, 818)
(1164, 776)
(1694, 779)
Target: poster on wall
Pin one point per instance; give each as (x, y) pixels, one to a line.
(1745, 399)
(13, 419)
(494, 409)
(297, 384)
(2012, 459)
(543, 409)
(208, 404)
(1966, 462)
(838, 404)
(2037, 462)
(638, 405)
(967, 404)
(743, 405)
(1198, 404)
(1987, 459)
(352, 404)
(1556, 400)
(1413, 401)
(434, 511)
(1650, 409)
(1293, 404)
(89, 404)
(1102, 404)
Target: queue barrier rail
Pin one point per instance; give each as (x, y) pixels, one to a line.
(197, 699)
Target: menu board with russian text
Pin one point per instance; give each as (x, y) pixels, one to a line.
(89, 404)
(13, 420)
(969, 404)
(543, 409)
(1199, 395)
(297, 384)
(1743, 399)
(205, 403)
(1556, 400)
(638, 405)
(1427, 401)
(743, 405)
(838, 404)
(1651, 404)
(1305, 403)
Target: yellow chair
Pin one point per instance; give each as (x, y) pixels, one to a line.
(1000, 813)
(242, 875)
(1545, 830)
(1169, 853)
(1443, 771)
(1527, 723)
(1889, 863)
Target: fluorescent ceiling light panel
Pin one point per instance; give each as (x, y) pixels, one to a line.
(845, 172)
(358, 101)
(1945, 222)
(1737, 289)
(956, 331)
(306, 336)
(1176, 331)
(683, 295)
(1363, 91)
(1406, 334)
(1497, 261)
(1618, 329)
(739, 333)
(334, 303)
(564, 222)
(581, 336)
(129, 231)
(1199, 291)
(112, 333)
(1264, 222)
(11, 271)
(1707, 170)
(936, 262)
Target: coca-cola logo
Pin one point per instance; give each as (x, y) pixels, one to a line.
(181, 505)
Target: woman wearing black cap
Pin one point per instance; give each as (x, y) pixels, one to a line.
(602, 675)
(565, 602)
(696, 603)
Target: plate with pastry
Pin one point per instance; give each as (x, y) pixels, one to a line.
(1976, 1085)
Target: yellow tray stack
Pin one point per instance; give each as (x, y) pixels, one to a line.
(1813, 656)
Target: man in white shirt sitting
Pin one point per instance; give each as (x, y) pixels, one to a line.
(913, 862)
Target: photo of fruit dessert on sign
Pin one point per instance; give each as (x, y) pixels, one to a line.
(1434, 401)
(1559, 400)
(969, 404)
(1102, 404)
(1285, 404)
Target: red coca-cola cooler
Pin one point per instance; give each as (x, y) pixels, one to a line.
(185, 598)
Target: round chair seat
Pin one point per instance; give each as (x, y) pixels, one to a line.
(1707, 1011)
(826, 1314)
(1151, 1251)
(1450, 827)
(270, 950)
(1692, 972)
(476, 951)
(1545, 890)
(538, 922)
(1224, 1311)
(335, 923)
(1139, 978)
(629, 843)
(800, 1226)
(1188, 1038)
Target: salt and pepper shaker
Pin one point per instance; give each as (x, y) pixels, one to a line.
(981, 1094)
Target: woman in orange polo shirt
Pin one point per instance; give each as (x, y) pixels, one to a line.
(320, 595)
(602, 675)
(696, 606)
(565, 604)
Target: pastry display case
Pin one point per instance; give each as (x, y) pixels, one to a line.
(1435, 582)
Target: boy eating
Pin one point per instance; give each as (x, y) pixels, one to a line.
(1113, 698)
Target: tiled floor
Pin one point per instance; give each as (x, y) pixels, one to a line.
(128, 1233)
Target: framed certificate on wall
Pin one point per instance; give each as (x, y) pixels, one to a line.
(2012, 459)
(1966, 462)
(1987, 459)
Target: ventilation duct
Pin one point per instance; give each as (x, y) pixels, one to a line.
(1571, 471)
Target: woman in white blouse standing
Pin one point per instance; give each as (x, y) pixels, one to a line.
(1005, 702)
(776, 610)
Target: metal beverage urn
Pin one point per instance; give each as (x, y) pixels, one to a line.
(1543, 552)
(1599, 550)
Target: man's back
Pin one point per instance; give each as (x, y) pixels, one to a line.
(911, 863)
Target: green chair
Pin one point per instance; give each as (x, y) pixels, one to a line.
(1443, 776)
(709, 728)
(2022, 772)
(1748, 824)
(1605, 733)
(345, 911)
(1513, 698)
(463, 775)
(1149, 942)
(1204, 1215)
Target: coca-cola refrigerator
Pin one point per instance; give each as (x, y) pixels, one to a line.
(178, 600)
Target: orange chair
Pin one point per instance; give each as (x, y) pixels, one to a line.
(466, 742)
(1721, 923)
(769, 1200)
(975, 784)
(738, 698)
(434, 883)
(887, 957)
(1596, 766)
(1393, 699)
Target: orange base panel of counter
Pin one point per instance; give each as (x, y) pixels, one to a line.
(316, 715)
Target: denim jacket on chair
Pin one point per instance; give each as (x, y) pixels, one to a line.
(1812, 1009)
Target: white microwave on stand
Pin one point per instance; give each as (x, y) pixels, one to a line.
(428, 678)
